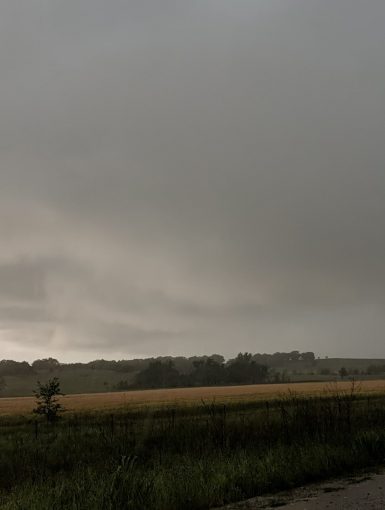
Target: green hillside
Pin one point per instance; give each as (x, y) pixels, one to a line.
(19, 379)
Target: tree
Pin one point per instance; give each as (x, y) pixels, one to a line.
(244, 370)
(10, 367)
(294, 356)
(208, 372)
(47, 402)
(308, 357)
(343, 372)
(2, 384)
(48, 364)
(158, 375)
(121, 386)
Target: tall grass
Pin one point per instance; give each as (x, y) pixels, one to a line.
(194, 457)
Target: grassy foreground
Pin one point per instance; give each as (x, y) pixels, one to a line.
(190, 457)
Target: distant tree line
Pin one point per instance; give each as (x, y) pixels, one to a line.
(10, 367)
(279, 359)
(2, 384)
(208, 372)
(184, 365)
(376, 369)
(178, 371)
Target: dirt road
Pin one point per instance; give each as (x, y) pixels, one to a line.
(357, 493)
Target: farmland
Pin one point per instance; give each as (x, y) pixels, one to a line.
(195, 448)
(225, 394)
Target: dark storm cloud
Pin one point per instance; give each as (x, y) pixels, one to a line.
(181, 177)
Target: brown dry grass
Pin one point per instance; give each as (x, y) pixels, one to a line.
(109, 401)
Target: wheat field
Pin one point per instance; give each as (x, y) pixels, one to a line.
(118, 400)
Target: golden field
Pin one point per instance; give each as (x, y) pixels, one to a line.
(119, 400)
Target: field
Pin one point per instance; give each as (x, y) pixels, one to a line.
(225, 394)
(190, 449)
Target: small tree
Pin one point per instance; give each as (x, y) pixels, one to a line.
(47, 402)
(343, 372)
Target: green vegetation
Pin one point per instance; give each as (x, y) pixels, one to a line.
(209, 372)
(2, 384)
(192, 457)
(101, 375)
(47, 403)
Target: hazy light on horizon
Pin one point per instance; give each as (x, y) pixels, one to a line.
(191, 177)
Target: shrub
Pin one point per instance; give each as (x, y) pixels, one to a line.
(46, 399)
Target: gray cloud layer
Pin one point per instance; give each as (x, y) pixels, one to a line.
(185, 177)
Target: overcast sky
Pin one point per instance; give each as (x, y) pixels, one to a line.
(188, 177)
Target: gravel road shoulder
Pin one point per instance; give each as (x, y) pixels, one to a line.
(365, 492)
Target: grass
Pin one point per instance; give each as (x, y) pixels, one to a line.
(196, 456)
(80, 380)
